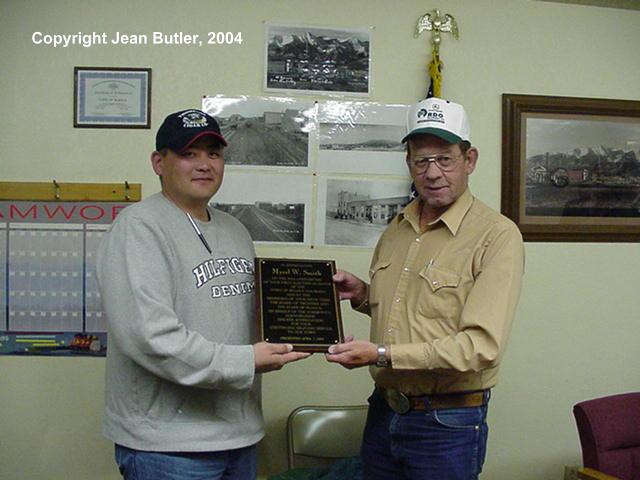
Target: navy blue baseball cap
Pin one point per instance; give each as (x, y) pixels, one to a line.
(179, 130)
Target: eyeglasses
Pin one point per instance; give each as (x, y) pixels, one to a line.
(446, 163)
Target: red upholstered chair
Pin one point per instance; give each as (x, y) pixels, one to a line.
(609, 430)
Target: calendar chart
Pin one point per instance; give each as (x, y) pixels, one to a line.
(51, 304)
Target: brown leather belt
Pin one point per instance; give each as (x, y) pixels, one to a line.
(401, 403)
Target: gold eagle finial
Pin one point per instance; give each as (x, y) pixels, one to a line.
(435, 23)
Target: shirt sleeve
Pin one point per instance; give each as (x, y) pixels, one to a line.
(138, 286)
(486, 318)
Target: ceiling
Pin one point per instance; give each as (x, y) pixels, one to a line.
(626, 4)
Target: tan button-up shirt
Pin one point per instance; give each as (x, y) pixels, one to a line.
(444, 299)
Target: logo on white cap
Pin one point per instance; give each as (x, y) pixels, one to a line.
(432, 114)
(442, 118)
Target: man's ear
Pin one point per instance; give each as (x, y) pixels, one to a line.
(407, 156)
(156, 162)
(471, 157)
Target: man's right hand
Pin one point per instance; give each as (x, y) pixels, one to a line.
(350, 287)
(274, 356)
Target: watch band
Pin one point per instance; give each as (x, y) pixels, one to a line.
(382, 360)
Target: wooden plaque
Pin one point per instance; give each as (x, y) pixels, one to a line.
(298, 303)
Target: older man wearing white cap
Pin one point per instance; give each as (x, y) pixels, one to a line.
(445, 281)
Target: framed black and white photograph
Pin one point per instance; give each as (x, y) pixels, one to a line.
(571, 168)
(274, 208)
(317, 59)
(264, 131)
(107, 97)
(356, 137)
(356, 212)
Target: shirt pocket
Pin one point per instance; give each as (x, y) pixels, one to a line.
(438, 278)
(440, 295)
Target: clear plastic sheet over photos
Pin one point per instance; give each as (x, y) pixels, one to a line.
(357, 137)
(311, 173)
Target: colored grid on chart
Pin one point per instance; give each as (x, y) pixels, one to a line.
(45, 278)
(50, 302)
(47, 274)
(95, 320)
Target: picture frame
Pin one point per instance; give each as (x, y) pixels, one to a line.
(111, 97)
(571, 168)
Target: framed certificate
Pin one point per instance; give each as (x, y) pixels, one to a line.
(111, 97)
(298, 303)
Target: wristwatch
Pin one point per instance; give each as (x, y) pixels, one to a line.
(382, 360)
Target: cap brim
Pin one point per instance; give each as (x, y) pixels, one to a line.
(443, 134)
(204, 134)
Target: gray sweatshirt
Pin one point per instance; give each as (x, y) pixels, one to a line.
(180, 365)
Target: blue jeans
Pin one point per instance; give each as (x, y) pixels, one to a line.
(444, 444)
(237, 464)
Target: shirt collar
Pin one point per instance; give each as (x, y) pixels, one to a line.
(452, 217)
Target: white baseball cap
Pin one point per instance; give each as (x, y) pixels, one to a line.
(442, 118)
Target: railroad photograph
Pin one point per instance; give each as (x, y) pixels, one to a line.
(358, 211)
(356, 137)
(275, 209)
(263, 131)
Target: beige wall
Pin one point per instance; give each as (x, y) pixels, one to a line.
(577, 332)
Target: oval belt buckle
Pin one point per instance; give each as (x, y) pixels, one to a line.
(398, 401)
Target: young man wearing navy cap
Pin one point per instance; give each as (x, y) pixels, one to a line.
(177, 283)
(445, 280)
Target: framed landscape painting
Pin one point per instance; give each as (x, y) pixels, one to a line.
(571, 168)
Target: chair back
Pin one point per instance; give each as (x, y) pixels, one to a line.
(317, 435)
(609, 430)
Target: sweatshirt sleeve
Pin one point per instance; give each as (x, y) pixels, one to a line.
(138, 289)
